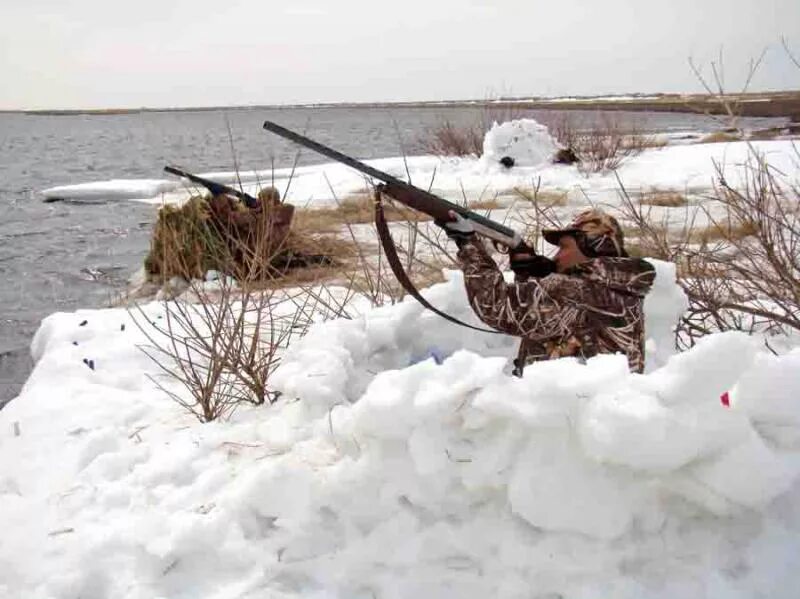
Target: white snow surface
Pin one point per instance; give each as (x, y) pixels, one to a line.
(688, 167)
(404, 461)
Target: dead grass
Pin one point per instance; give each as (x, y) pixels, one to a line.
(767, 134)
(727, 232)
(359, 208)
(184, 242)
(719, 137)
(354, 209)
(663, 197)
(637, 249)
(544, 198)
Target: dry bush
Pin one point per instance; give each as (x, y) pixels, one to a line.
(742, 270)
(220, 341)
(601, 144)
(449, 139)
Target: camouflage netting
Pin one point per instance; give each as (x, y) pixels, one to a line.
(223, 235)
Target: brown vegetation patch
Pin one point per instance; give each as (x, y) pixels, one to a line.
(543, 198)
(663, 198)
(184, 242)
(356, 208)
(769, 134)
(359, 208)
(719, 137)
(723, 232)
(188, 242)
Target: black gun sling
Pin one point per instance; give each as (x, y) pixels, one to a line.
(390, 249)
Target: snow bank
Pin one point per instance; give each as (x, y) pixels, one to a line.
(404, 461)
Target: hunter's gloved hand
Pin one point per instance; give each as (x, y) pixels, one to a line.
(459, 229)
(526, 264)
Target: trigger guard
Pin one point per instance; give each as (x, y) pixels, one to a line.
(500, 247)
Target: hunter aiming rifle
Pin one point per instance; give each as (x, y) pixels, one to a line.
(528, 263)
(214, 187)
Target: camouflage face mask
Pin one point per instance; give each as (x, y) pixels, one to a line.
(596, 233)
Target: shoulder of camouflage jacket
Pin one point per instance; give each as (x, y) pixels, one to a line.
(627, 275)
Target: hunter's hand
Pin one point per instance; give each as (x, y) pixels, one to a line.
(459, 229)
(529, 264)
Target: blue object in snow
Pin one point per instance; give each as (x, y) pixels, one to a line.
(432, 352)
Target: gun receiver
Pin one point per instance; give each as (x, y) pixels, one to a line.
(214, 187)
(407, 194)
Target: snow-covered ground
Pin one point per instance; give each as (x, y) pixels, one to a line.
(402, 459)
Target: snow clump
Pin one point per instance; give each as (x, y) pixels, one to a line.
(527, 141)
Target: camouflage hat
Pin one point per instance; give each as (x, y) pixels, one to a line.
(597, 234)
(270, 195)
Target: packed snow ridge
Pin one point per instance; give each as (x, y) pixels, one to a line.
(404, 461)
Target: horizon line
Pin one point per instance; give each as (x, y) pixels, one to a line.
(560, 100)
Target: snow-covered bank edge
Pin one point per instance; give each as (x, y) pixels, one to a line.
(679, 167)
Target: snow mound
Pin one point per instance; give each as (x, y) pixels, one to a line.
(527, 141)
(403, 461)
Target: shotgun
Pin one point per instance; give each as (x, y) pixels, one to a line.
(413, 197)
(214, 187)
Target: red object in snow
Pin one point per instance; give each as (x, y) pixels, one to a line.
(725, 399)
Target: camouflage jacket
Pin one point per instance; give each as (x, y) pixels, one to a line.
(594, 308)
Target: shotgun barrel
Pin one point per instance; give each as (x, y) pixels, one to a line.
(407, 194)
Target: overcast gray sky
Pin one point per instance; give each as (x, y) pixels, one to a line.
(93, 53)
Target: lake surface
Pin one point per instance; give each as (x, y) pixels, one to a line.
(65, 256)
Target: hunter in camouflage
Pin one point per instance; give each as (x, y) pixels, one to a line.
(592, 304)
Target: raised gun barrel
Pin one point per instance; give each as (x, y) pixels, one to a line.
(214, 187)
(403, 192)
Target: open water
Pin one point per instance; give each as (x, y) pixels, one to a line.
(64, 256)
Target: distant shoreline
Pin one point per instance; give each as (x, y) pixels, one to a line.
(755, 104)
